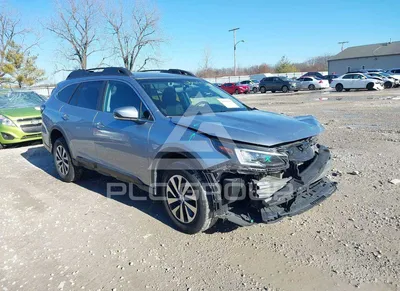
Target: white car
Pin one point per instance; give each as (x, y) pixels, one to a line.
(356, 81)
(312, 83)
(389, 80)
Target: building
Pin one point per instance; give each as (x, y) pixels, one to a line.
(372, 56)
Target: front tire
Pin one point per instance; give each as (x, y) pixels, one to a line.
(263, 90)
(185, 200)
(236, 91)
(388, 85)
(1, 146)
(285, 89)
(255, 90)
(63, 162)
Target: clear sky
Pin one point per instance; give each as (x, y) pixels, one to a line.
(270, 29)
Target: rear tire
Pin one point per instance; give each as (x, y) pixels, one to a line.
(185, 199)
(63, 162)
(285, 89)
(311, 87)
(263, 90)
(370, 86)
(255, 90)
(339, 88)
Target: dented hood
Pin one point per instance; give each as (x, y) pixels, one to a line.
(254, 126)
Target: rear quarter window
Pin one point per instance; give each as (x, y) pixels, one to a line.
(65, 94)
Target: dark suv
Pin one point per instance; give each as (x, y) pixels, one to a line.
(204, 154)
(274, 84)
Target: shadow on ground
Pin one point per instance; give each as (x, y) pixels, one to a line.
(93, 181)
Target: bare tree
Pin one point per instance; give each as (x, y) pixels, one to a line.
(135, 32)
(76, 23)
(206, 59)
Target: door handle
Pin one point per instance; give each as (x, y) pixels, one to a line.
(99, 125)
(65, 117)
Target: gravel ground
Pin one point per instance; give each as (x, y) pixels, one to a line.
(57, 236)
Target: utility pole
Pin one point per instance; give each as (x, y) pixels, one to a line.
(234, 47)
(342, 43)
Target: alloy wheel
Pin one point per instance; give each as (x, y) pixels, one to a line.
(62, 161)
(181, 199)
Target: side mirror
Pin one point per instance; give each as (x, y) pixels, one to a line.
(126, 113)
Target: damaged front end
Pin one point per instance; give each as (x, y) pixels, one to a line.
(265, 185)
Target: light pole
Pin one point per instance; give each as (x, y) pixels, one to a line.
(342, 43)
(234, 47)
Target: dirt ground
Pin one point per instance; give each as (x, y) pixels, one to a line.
(56, 236)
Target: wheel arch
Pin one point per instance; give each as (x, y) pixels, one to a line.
(164, 158)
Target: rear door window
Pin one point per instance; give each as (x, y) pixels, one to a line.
(65, 94)
(88, 95)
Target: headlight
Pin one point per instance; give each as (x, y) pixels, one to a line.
(261, 158)
(5, 121)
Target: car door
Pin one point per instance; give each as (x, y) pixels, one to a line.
(359, 81)
(306, 83)
(300, 82)
(347, 82)
(78, 116)
(277, 84)
(122, 145)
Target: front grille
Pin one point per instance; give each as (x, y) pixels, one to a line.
(30, 125)
(33, 128)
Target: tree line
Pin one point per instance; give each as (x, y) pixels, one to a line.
(125, 32)
(284, 65)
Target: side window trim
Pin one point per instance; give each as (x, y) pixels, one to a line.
(151, 118)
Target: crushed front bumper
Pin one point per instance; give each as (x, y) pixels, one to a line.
(273, 199)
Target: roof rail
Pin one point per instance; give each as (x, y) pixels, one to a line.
(99, 72)
(171, 71)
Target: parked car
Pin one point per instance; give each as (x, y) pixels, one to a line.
(20, 117)
(313, 74)
(200, 151)
(233, 88)
(217, 84)
(356, 81)
(330, 77)
(253, 84)
(388, 80)
(274, 84)
(312, 83)
(395, 71)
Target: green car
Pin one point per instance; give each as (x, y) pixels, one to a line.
(20, 117)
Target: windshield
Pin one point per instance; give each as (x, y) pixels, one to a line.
(19, 99)
(178, 97)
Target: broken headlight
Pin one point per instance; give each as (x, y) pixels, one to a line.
(269, 158)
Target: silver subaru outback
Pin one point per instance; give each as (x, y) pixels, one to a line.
(205, 155)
